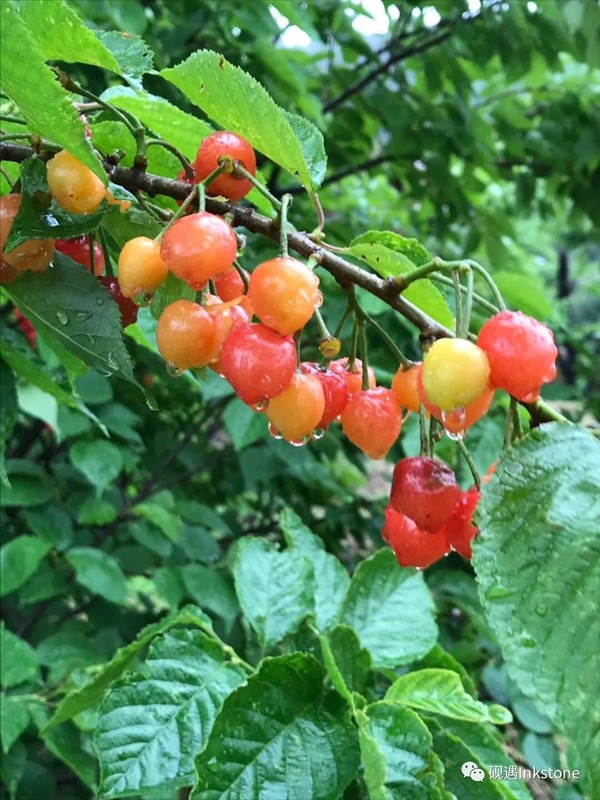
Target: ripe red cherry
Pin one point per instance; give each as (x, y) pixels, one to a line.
(372, 421)
(258, 362)
(127, 307)
(229, 286)
(199, 246)
(80, 251)
(458, 420)
(295, 413)
(225, 143)
(283, 293)
(460, 530)
(353, 377)
(334, 389)
(188, 335)
(404, 385)
(412, 546)
(521, 352)
(424, 489)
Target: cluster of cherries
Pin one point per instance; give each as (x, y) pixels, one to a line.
(245, 326)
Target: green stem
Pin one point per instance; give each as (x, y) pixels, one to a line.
(364, 355)
(283, 213)
(508, 424)
(243, 275)
(550, 412)
(342, 319)
(457, 303)
(517, 419)
(467, 456)
(317, 234)
(11, 118)
(490, 282)
(468, 309)
(353, 344)
(477, 298)
(104, 244)
(91, 239)
(9, 136)
(425, 442)
(391, 344)
(159, 214)
(189, 170)
(239, 169)
(214, 174)
(323, 330)
(196, 189)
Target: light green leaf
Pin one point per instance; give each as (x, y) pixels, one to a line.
(100, 462)
(331, 577)
(40, 405)
(237, 102)
(539, 522)
(274, 732)
(389, 253)
(165, 520)
(19, 560)
(99, 573)
(46, 107)
(8, 411)
(396, 754)
(425, 296)
(18, 663)
(528, 293)
(29, 484)
(14, 719)
(91, 694)
(152, 726)
(275, 589)
(347, 663)
(136, 222)
(130, 51)
(440, 691)
(391, 610)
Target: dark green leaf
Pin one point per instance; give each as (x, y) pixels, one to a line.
(8, 411)
(29, 484)
(100, 462)
(14, 719)
(19, 662)
(98, 572)
(212, 591)
(165, 520)
(19, 560)
(171, 289)
(52, 524)
(243, 424)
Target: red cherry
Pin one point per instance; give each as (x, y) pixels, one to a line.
(460, 529)
(459, 419)
(127, 307)
(521, 352)
(353, 377)
(229, 284)
(372, 421)
(26, 328)
(225, 143)
(424, 489)
(258, 362)
(412, 546)
(79, 250)
(334, 389)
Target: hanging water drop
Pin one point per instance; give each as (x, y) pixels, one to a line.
(173, 370)
(274, 432)
(541, 609)
(457, 436)
(141, 299)
(262, 405)
(319, 300)
(62, 317)
(318, 433)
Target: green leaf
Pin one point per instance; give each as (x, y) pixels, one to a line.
(425, 296)
(391, 610)
(130, 51)
(40, 217)
(52, 524)
(98, 572)
(62, 36)
(243, 425)
(440, 691)
(136, 222)
(14, 719)
(528, 293)
(396, 754)
(347, 663)
(152, 726)
(275, 589)
(8, 411)
(237, 102)
(46, 107)
(19, 560)
(40, 405)
(100, 462)
(331, 577)
(275, 732)
(91, 694)
(171, 289)
(165, 520)
(439, 658)
(67, 744)
(211, 590)
(29, 484)
(389, 253)
(19, 662)
(74, 307)
(539, 531)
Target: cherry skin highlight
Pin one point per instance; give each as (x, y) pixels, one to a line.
(73, 185)
(188, 336)
(141, 267)
(455, 372)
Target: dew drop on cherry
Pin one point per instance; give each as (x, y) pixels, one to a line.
(274, 432)
(142, 299)
(319, 300)
(262, 405)
(318, 433)
(173, 370)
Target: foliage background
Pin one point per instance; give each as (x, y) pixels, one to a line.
(475, 130)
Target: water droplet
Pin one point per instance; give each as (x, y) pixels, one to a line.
(173, 370)
(319, 433)
(306, 438)
(62, 317)
(319, 300)
(262, 405)
(298, 442)
(456, 437)
(113, 362)
(541, 609)
(274, 432)
(99, 301)
(141, 299)
(83, 315)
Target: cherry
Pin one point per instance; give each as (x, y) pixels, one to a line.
(236, 315)
(295, 413)
(283, 293)
(404, 385)
(521, 352)
(424, 489)
(73, 185)
(198, 247)
(35, 254)
(80, 251)
(141, 268)
(411, 545)
(189, 336)
(127, 307)
(460, 530)
(334, 390)
(258, 362)
(26, 328)
(458, 420)
(372, 421)
(225, 143)
(7, 273)
(455, 372)
(353, 376)
(229, 286)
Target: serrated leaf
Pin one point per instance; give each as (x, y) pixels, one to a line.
(130, 51)
(8, 411)
(14, 719)
(346, 662)
(275, 589)
(19, 560)
(440, 691)
(331, 577)
(539, 522)
(274, 732)
(237, 102)
(100, 462)
(99, 573)
(19, 662)
(40, 217)
(429, 299)
(46, 107)
(408, 251)
(91, 694)
(391, 610)
(152, 726)
(396, 754)
(170, 290)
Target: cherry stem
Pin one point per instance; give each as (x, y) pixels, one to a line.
(297, 340)
(457, 303)
(243, 275)
(364, 354)
(425, 442)
(471, 464)
(323, 330)
(468, 309)
(391, 344)
(318, 231)
(91, 238)
(242, 172)
(104, 245)
(159, 214)
(342, 319)
(286, 201)
(214, 174)
(188, 169)
(477, 298)
(11, 118)
(201, 197)
(182, 209)
(353, 344)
